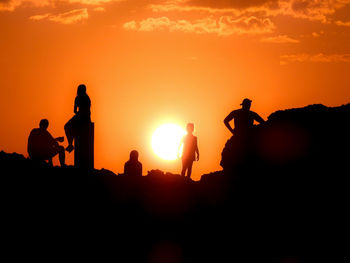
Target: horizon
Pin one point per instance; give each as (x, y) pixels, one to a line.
(147, 63)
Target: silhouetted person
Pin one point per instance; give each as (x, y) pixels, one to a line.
(82, 105)
(190, 149)
(133, 167)
(243, 119)
(42, 146)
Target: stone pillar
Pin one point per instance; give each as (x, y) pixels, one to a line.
(84, 147)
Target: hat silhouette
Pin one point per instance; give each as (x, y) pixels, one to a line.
(245, 101)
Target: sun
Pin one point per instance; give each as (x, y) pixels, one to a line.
(166, 141)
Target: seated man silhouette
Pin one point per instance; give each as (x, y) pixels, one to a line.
(42, 146)
(190, 149)
(133, 167)
(82, 105)
(243, 119)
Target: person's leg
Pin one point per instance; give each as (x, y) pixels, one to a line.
(62, 156)
(48, 155)
(53, 152)
(183, 172)
(69, 130)
(189, 169)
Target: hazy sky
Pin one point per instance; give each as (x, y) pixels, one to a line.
(151, 62)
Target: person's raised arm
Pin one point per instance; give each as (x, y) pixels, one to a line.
(227, 122)
(258, 118)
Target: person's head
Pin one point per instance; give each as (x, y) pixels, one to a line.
(246, 104)
(134, 155)
(44, 123)
(190, 127)
(81, 90)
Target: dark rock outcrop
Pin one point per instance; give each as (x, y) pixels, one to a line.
(281, 197)
(314, 139)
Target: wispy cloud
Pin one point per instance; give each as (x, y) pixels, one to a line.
(223, 26)
(169, 7)
(11, 5)
(281, 39)
(99, 9)
(39, 17)
(311, 9)
(131, 25)
(341, 23)
(93, 2)
(305, 9)
(317, 58)
(70, 17)
(229, 3)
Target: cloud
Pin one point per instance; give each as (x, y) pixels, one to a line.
(317, 34)
(93, 2)
(230, 3)
(314, 10)
(311, 9)
(316, 58)
(70, 17)
(247, 25)
(341, 23)
(281, 39)
(205, 7)
(132, 25)
(223, 26)
(11, 5)
(99, 9)
(39, 17)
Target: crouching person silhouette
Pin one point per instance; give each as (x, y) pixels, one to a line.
(82, 105)
(190, 149)
(133, 168)
(43, 147)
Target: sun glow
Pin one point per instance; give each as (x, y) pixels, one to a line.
(166, 141)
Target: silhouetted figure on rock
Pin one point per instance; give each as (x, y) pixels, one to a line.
(243, 119)
(133, 167)
(82, 105)
(43, 147)
(243, 139)
(190, 149)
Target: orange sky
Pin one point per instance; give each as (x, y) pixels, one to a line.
(150, 62)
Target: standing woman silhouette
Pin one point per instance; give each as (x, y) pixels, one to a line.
(82, 105)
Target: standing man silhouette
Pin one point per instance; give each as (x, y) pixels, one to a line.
(42, 146)
(82, 115)
(133, 167)
(243, 119)
(190, 149)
